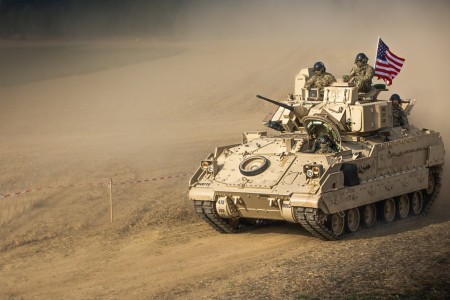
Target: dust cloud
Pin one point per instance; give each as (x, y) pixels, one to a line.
(303, 31)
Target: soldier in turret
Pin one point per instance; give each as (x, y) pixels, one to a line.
(398, 114)
(325, 145)
(320, 79)
(361, 74)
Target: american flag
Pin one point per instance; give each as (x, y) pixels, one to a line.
(388, 65)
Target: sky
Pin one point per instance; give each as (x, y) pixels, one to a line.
(202, 19)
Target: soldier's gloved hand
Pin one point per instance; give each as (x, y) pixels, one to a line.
(405, 130)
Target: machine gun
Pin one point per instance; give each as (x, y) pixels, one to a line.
(288, 107)
(282, 120)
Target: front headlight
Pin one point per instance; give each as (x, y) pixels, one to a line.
(316, 171)
(313, 170)
(205, 164)
(210, 166)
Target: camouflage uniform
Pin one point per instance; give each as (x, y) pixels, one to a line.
(363, 77)
(320, 81)
(324, 148)
(399, 117)
(324, 144)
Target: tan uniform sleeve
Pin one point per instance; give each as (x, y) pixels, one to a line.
(331, 79)
(368, 74)
(310, 82)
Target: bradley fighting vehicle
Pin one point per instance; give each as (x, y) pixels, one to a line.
(337, 165)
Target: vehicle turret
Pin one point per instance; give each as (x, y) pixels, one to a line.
(352, 113)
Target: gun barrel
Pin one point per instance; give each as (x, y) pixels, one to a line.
(276, 102)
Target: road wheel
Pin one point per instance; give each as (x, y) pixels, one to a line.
(353, 219)
(431, 184)
(370, 215)
(417, 203)
(337, 223)
(234, 223)
(389, 210)
(403, 207)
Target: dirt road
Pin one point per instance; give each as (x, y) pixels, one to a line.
(151, 109)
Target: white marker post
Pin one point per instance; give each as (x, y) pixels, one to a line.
(110, 199)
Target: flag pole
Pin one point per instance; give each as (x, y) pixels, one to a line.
(376, 53)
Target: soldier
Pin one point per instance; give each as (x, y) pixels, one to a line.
(320, 79)
(326, 145)
(398, 114)
(361, 74)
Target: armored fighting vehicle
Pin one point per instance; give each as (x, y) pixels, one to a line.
(335, 164)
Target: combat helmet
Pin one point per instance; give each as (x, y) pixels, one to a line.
(325, 140)
(395, 97)
(361, 57)
(319, 67)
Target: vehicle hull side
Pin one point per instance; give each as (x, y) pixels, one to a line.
(374, 190)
